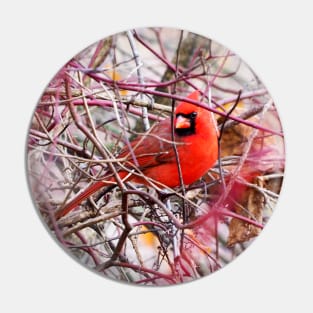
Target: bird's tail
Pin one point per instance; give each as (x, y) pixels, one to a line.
(81, 197)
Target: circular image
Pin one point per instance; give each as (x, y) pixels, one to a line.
(155, 156)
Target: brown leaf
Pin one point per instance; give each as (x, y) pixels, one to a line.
(251, 206)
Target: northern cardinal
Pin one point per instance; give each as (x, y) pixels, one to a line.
(196, 138)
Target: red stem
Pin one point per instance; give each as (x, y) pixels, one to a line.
(139, 268)
(200, 104)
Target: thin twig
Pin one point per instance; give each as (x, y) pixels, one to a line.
(201, 104)
(139, 64)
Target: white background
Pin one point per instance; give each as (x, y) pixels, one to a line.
(274, 37)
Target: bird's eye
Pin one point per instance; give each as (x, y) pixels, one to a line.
(193, 114)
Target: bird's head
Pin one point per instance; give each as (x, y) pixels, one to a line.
(191, 119)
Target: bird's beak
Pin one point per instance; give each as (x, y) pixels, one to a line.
(182, 122)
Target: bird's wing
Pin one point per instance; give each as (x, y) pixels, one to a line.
(151, 149)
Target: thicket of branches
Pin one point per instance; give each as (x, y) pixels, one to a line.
(114, 91)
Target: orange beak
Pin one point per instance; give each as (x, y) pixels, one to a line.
(182, 122)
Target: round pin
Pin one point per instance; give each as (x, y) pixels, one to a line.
(155, 156)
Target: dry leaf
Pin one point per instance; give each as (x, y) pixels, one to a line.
(251, 206)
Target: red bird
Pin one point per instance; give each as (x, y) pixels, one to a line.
(196, 138)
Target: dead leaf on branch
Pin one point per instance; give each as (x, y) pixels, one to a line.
(251, 206)
(247, 199)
